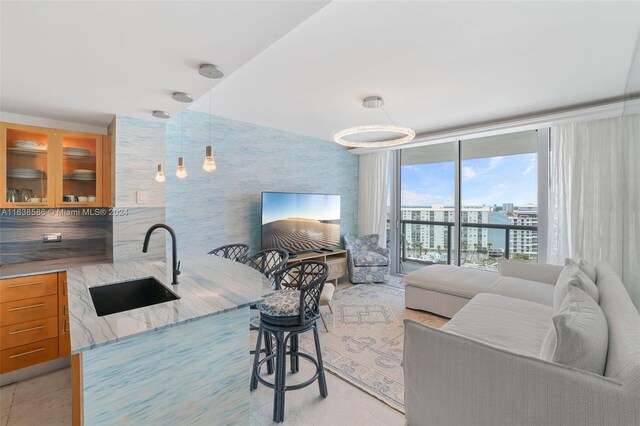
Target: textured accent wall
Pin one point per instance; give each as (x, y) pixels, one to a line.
(211, 209)
(139, 148)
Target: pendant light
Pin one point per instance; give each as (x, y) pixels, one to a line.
(404, 134)
(181, 172)
(211, 72)
(160, 174)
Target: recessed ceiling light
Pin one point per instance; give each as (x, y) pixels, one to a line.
(161, 114)
(182, 97)
(210, 71)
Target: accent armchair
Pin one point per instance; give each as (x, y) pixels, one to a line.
(367, 262)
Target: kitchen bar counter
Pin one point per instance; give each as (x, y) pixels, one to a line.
(209, 285)
(178, 362)
(47, 266)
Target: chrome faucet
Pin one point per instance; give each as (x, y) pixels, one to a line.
(174, 248)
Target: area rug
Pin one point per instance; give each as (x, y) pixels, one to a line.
(365, 339)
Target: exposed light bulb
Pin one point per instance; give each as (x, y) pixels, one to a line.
(181, 172)
(160, 174)
(209, 163)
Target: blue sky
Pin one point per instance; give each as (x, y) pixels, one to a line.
(485, 181)
(276, 205)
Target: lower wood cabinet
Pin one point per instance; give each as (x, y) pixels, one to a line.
(34, 320)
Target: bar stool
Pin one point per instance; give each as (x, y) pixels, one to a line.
(285, 315)
(268, 263)
(236, 252)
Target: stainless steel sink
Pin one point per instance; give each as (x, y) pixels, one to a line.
(112, 298)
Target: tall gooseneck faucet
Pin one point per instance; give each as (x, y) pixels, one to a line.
(174, 248)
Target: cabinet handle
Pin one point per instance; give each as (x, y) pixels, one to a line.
(26, 353)
(39, 305)
(66, 326)
(65, 310)
(26, 284)
(27, 329)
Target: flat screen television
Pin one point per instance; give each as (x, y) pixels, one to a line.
(300, 222)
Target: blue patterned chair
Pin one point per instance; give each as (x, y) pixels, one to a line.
(366, 260)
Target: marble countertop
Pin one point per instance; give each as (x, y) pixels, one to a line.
(47, 266)
(209, 285)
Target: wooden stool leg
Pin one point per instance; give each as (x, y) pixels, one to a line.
(281, 373)
(322, 383)
(294, 353)
(324, 322)
(256, 360)
(268, 346)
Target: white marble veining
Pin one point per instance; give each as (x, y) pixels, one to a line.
(209, 285)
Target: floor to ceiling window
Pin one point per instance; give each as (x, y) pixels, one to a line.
(427, 206)
(494, 199)
(499, 197)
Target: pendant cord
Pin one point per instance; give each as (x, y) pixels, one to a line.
(181, 128)
(210, 97)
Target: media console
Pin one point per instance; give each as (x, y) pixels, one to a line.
(337, 261)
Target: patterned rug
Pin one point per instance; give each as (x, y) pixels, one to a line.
(365, 338)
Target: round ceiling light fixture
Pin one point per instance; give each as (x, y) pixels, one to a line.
(387, 134)
(210, 71)
(161, 114)
(182, 97)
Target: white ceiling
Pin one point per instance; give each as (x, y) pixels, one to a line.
(437, 64)
(84, 62)
(304, 67)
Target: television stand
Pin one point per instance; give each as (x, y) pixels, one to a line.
(336, 260)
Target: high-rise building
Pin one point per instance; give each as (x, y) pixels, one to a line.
(524, 241)
(507, 207)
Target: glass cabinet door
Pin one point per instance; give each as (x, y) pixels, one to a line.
(81, 170)
(26, 178)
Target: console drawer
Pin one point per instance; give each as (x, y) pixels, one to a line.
(26, 355)
(27, 287)
(28, 310)
(28, 332)
(337, 268)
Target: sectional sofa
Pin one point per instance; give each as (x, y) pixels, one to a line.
(506, 357)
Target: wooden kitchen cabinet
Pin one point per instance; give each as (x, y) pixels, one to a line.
(34, 320)
(40, 166)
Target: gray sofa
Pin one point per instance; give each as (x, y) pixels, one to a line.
(484, 367)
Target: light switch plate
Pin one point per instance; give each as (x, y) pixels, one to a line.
(141, 197)
(52, 237)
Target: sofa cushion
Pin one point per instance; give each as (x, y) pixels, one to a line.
(586, 267)
(467, 282)
(369, 258)
(578, 335)
(572, 275)
(512, 324)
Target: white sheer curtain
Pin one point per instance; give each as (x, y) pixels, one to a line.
(594, 196)
(372, 195)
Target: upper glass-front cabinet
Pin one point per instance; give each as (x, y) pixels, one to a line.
(27, 177)
(80, 183)
(43, 167)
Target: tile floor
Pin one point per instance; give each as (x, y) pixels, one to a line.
(46, 400)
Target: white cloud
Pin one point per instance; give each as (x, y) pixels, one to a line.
(531, 167)
(469, 173)
(413, 198)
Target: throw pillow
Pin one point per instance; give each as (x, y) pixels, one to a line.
(586, 267)
(578, 335)
(571, 274)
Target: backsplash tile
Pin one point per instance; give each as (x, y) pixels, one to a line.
(21, 236)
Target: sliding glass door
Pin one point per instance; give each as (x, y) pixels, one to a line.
(489, 186)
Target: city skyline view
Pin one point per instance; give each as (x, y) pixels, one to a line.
(485, 181)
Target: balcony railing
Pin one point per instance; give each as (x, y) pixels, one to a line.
(491, 254)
